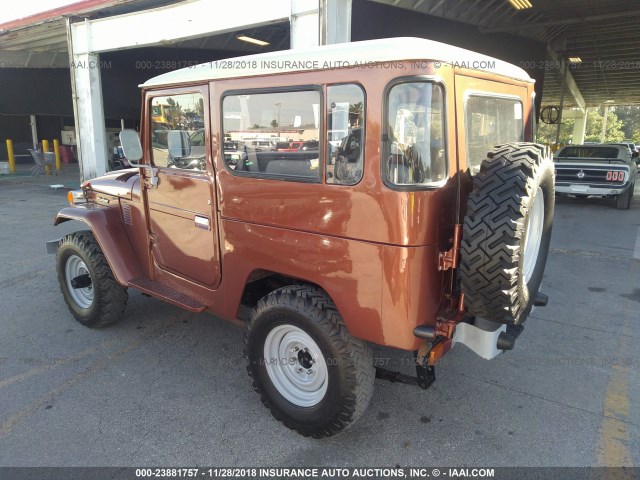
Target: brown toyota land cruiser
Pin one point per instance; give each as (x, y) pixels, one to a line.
(421, 218)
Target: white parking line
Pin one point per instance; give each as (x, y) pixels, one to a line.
(636, 252)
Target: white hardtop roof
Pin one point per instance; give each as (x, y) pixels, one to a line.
(340, 55)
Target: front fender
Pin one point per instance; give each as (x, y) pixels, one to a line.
(106, 225)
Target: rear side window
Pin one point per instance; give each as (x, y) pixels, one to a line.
(414, 150)
(491, 121)
(269, 131)
(345, 134)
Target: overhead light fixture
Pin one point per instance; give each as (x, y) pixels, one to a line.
(255, 41)
(609, 101)
(575, 60)
(520, 4)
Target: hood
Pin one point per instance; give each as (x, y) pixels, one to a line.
(118, 184)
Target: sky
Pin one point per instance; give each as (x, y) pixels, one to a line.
(26, 8)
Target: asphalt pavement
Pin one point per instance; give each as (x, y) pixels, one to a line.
(168, 388)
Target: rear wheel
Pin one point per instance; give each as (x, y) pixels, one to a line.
(623, 201)
(507, 231)
(309, 371)
(90, 290)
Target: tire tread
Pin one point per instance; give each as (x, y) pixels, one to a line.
(320, 309)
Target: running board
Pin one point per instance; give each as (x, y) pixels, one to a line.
(169, 295)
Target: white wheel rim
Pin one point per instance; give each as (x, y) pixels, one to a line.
(75, 266)
(295, 365)
(533, 239)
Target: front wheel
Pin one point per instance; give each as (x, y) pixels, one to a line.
(309, 371)
(90, 290)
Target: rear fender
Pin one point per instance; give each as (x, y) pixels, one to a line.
(106, 225)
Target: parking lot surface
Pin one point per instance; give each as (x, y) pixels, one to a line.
(168, 388)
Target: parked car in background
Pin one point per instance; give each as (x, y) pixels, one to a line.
(289, 146)
(596, 169)
(633, 148)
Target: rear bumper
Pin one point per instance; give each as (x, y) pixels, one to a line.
(581, 189)
(52, 245)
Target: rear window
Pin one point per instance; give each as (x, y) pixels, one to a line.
(414, 151)
(490, 121)
(588, 152)
(345, 134)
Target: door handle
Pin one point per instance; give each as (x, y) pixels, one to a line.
(202, 222)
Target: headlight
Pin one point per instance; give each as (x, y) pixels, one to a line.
(76, 196)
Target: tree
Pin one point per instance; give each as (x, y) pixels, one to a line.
(274, 123)
(630, 117)
(547, 133)
(593, 131)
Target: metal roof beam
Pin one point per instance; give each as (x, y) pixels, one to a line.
(571, 84)
(566, 21)
(435, 7)
(140, 29)
(26, 59)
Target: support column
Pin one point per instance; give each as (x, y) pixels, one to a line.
(335, 21)
(89, 109)
(579, 128)
(34, 131)
(305, 23)
(90, 124)
(320, 22)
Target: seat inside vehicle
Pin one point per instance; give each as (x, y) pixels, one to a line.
(299, 163)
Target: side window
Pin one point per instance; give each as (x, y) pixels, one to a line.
(345, 134)
(414, 150)
(273, 134)
(177, 131)
(491, 121)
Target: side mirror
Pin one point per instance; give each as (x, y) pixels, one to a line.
(131, 146)
(179, 143)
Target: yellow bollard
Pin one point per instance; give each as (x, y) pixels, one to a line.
(45, 148)
(12, 158)
(56, 149)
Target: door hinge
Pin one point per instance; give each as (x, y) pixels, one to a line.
(450, 258)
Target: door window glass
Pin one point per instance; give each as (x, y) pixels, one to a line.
(177, 131)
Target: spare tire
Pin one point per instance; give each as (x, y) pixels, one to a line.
(507, 230)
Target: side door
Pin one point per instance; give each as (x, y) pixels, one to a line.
(181, 206)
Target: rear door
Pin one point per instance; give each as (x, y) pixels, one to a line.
(489, 113)
(181, 207)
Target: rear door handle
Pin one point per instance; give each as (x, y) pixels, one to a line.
(202, 222)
